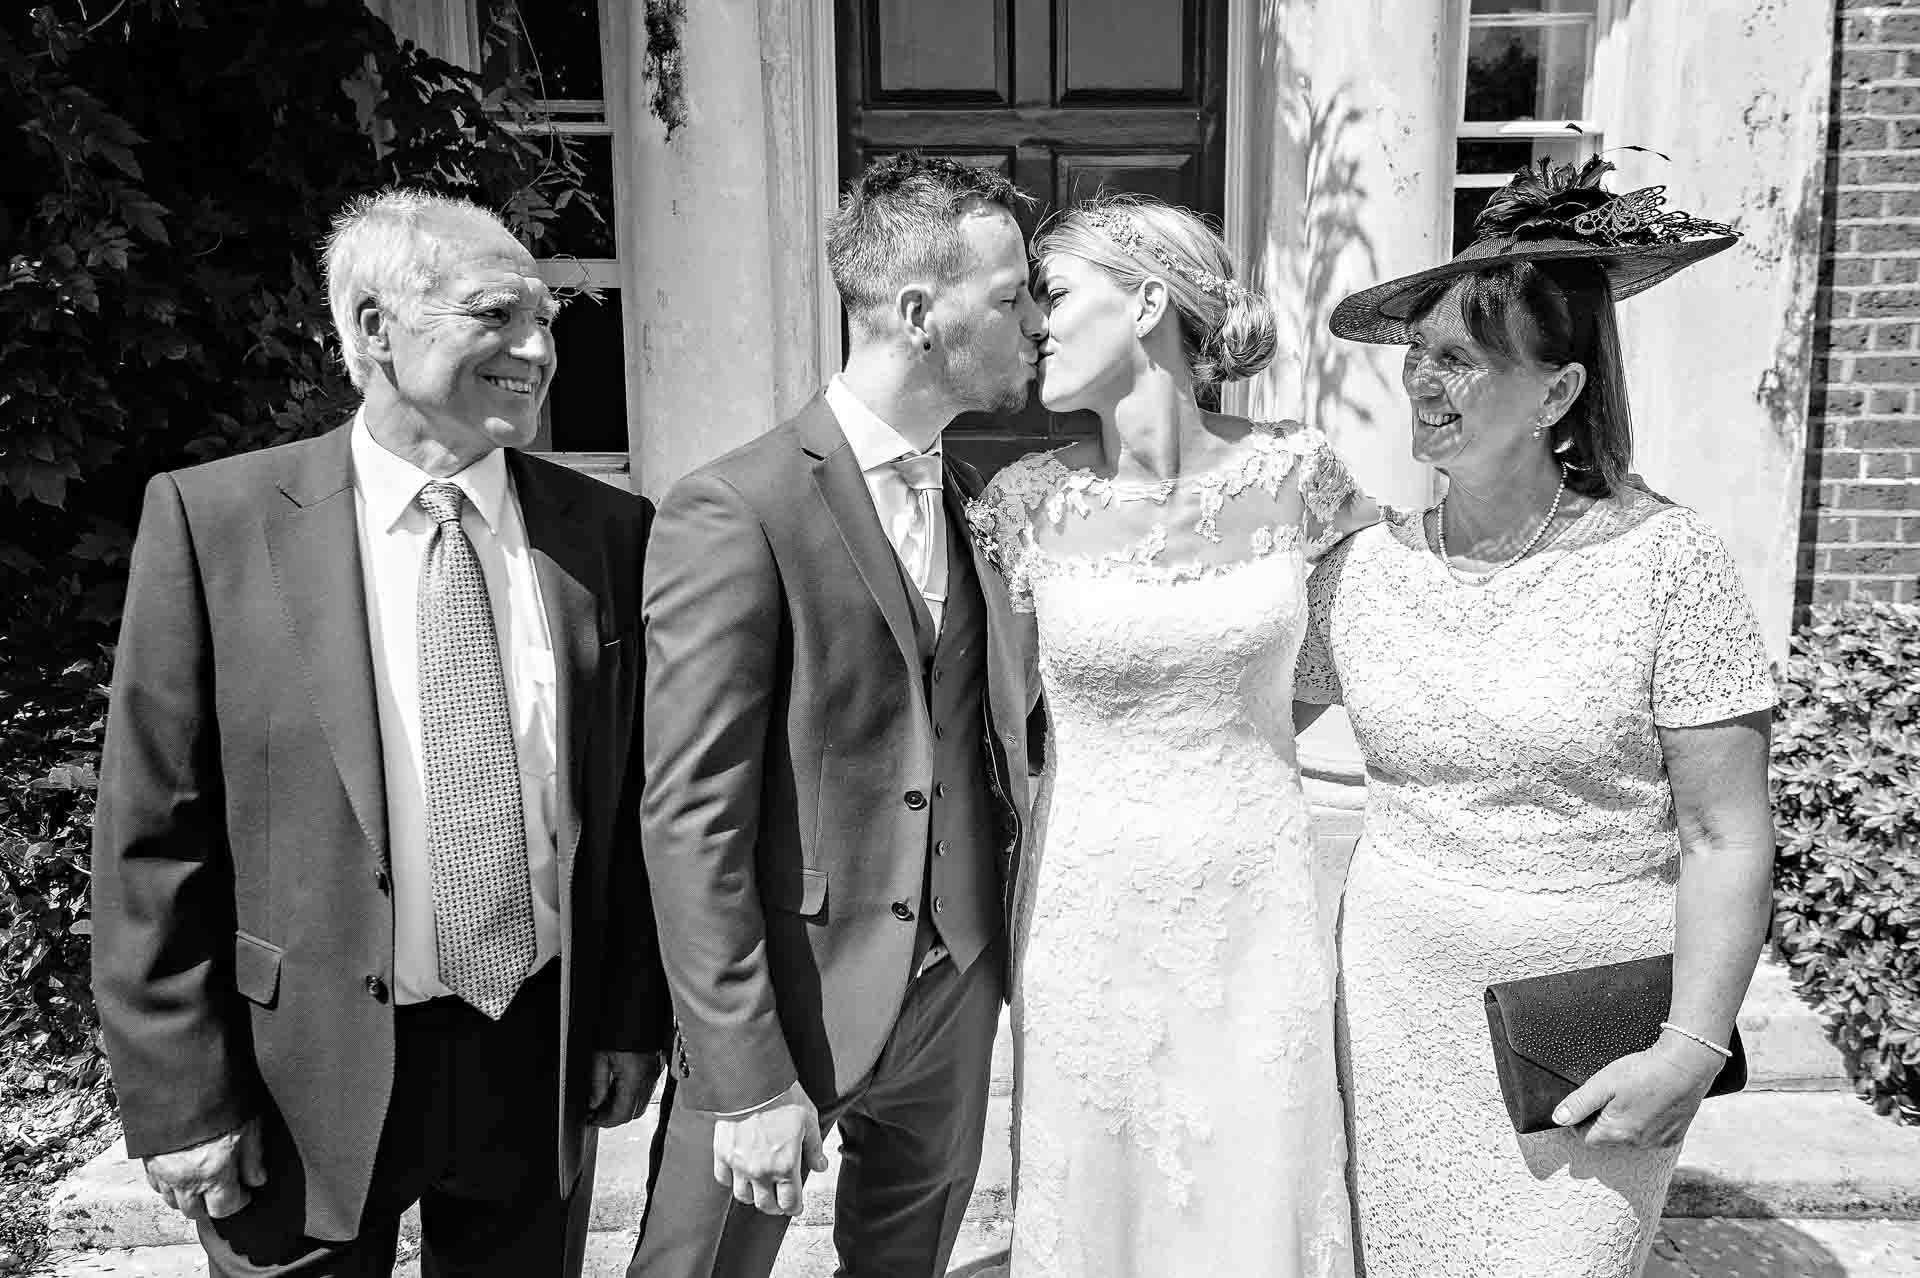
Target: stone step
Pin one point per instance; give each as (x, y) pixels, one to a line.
(107, 1204)
(1685, 1249)
(807, 1253)
(1790, 1154)
(1760, 1154)
(1796, 1143)
(1787, 1047)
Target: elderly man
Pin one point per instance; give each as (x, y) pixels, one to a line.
(371, 922)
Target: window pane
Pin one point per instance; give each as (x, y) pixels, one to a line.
(1533, 6)
(555, 42)
(1467, 203)
(1481, 156)
(576, 232)
(587, 408)
(1526, 73)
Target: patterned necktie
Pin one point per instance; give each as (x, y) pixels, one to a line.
(476, 833)
(924, 551)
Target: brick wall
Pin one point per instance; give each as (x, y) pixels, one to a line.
(1860, 538)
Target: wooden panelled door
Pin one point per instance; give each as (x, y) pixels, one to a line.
(1067, 97)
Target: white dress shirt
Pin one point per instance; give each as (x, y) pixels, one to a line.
(876, 446)
(393, 541)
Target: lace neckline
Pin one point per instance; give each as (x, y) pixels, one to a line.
(1624, 509)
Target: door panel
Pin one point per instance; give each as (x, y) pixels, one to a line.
(1124, 51)
(1069, 97)
(953, 48)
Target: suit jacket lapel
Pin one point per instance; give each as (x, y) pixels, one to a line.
(1006, 667)
(570, 567)
(313, 542)
(844, 490)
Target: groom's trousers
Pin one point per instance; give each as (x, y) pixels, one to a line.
(469, 1135)
(910, 1144)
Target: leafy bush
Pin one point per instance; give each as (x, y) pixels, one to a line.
(1846, 796)
(172, 169)
(49, 764)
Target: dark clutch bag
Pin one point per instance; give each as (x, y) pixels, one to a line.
(1552, 1033)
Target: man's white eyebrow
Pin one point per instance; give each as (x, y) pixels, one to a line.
(488, 298)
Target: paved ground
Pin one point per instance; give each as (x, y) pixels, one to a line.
(1687, 1249)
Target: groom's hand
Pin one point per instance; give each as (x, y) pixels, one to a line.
(763, 1156)
(212, 1180)
(621, 1085)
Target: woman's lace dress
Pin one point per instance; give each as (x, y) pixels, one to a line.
(1519, 822)
(1177, 1106)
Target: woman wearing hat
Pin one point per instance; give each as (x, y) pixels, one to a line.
(1563, 700)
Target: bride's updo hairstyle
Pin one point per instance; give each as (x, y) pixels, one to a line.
(1226, 329)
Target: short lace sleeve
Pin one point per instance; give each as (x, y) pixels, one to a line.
(1315, 677)
(1001, 519)
(1709, 663)
(1335, 504)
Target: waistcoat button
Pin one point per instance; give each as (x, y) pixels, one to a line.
(916, 800)
(903, 911)
(377, 989)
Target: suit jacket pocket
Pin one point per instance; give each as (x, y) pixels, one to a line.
(798, 889)
(256, 969)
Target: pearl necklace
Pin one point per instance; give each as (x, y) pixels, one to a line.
(1474, 579)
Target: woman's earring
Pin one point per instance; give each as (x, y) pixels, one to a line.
(926, 343)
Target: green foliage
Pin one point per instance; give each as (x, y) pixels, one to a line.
(1846, 799)
(173, 167)
(49, 765)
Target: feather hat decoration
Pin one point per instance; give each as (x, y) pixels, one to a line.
(1551, 211)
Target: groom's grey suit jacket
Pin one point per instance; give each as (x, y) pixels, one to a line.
(789, 752)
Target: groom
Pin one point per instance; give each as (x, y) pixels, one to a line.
(836, 764)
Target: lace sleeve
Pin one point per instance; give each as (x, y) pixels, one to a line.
(1001, 519)
(1315, 677)
(1709, 663)
(1336, 507)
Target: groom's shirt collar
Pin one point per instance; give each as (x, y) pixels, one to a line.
(875, 444)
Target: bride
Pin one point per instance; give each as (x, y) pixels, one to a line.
(1178, 1111)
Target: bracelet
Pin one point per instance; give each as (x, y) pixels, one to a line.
(1726, 1053)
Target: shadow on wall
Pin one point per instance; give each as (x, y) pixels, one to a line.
(1317, 245)
(1822, 400)
(1740, 1239)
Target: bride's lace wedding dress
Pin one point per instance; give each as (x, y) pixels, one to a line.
(1177, 1106)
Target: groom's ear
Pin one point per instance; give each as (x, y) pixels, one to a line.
(911, 307)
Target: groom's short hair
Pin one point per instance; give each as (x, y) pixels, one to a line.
(900, 220)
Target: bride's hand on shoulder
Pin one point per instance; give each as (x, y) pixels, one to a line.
(1644, 1099)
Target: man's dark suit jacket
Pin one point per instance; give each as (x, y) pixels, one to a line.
(243, 950)
(786, 724)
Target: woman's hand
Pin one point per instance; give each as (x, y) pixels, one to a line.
(1645, 1099)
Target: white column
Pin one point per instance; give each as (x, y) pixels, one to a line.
(1339, 175)
(1718, 358)
(727, 265)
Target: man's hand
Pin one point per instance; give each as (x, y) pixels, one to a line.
(211, 1181)
(761, 1156)
(622, 1083)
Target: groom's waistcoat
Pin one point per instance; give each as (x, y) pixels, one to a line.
(962, 900)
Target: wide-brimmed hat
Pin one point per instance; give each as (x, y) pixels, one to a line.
(1550, 212)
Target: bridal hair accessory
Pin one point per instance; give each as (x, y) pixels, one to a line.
(1550, 212)
(1119, 228)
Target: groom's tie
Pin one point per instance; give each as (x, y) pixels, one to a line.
(924, 553)
(476, 833)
